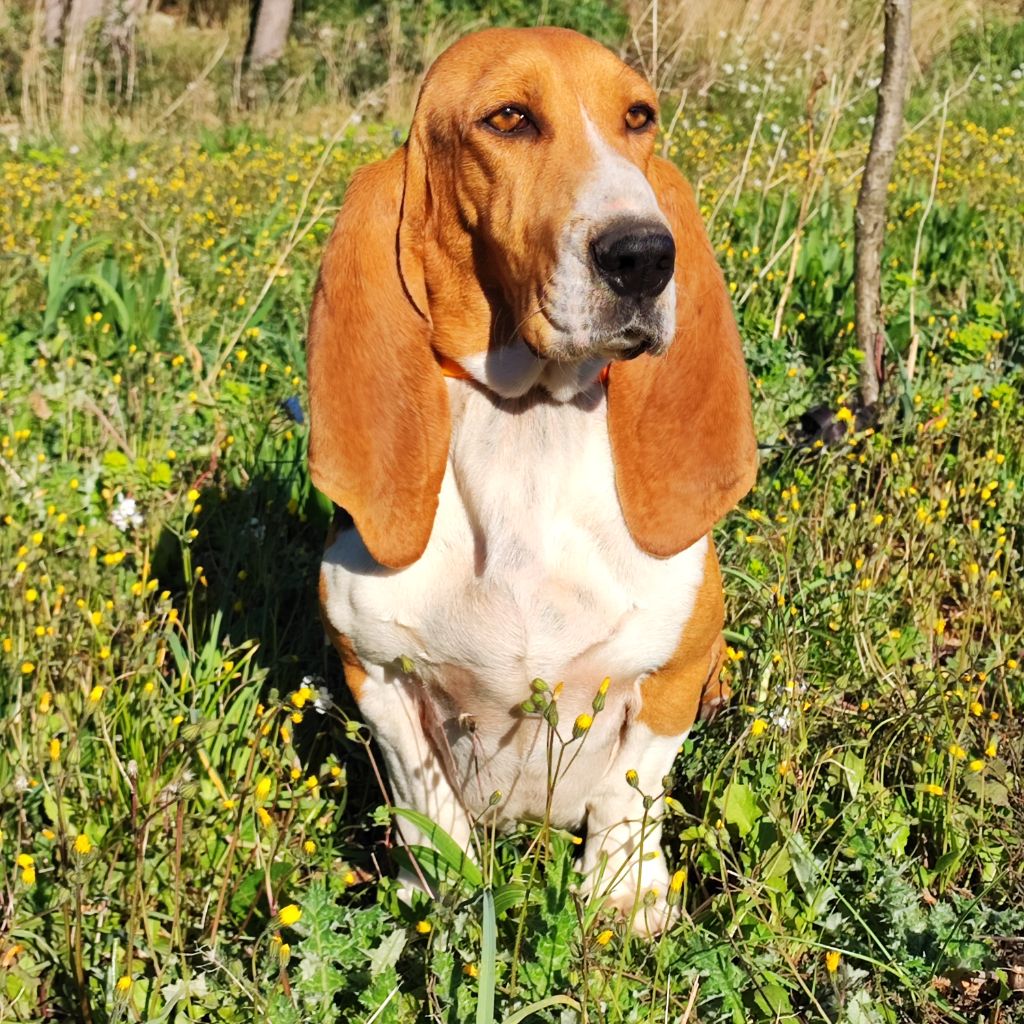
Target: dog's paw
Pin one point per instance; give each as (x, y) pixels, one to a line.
(645, 907)
(648, 912)
(410, 886)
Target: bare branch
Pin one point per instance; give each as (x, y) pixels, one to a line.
(871, 202)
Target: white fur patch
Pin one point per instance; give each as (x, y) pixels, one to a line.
(530, 572)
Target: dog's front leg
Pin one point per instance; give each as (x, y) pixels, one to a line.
(622, 859)
(392, 705)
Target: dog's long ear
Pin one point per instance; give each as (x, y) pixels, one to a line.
(681, 430)
(379, 422)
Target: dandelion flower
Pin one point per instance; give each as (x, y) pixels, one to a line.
(83, 844)
(424, 927)
(832, 958)
(289, 915)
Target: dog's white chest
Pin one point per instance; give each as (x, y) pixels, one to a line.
(530, 572)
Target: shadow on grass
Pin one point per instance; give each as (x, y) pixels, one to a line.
(258, 549)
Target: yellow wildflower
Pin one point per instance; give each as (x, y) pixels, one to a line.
(289, 915)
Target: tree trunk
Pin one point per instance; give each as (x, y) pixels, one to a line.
(120, 23)
(80, 14)
(869, 232)
(268, 31)
(54, 13)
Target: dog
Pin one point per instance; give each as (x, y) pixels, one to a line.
(527, 394)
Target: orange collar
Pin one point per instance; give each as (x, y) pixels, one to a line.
(450, 368)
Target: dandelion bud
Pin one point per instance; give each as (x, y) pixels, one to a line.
(675, 887)
(551, 715)
(539, 686)
(529, 706)
(495, 798)
(581, 726)
(632, 779)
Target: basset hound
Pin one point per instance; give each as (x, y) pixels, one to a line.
(527, 392)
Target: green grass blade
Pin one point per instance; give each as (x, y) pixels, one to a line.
(488, 957)
(542, 1004)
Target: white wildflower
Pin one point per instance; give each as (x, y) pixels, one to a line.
(125, 514)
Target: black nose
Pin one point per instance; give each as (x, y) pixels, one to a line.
(636, 260)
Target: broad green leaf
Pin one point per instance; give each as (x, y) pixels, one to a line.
(453, 855)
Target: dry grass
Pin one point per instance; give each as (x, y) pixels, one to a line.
(195, 75)
(687, 43)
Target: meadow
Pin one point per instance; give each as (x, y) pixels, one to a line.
(193, 825)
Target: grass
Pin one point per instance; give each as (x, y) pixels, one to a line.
(192, 822)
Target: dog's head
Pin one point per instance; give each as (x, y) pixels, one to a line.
(528, 166)
(526, 232)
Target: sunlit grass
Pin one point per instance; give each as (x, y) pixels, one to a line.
(188, 799)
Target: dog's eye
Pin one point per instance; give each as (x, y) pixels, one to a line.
(507, 120)
(639, 117)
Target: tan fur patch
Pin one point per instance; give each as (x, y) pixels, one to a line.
(355, 674)
(673, 696)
